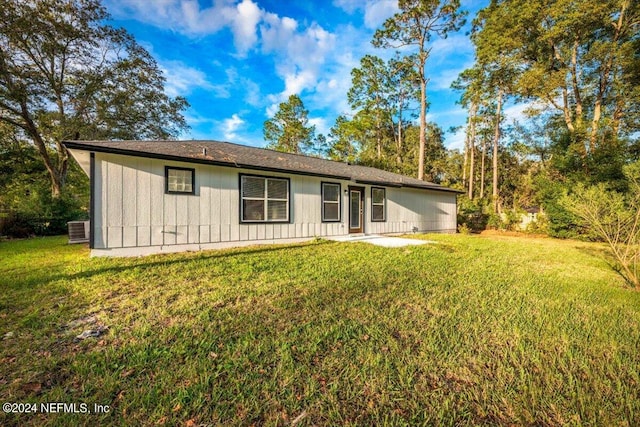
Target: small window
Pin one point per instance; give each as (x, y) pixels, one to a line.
(378, 204)
(264, 199)
(331, 202)
(179, 180)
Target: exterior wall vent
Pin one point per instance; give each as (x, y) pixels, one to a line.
(78, 231)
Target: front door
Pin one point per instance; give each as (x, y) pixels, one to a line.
(356, 210)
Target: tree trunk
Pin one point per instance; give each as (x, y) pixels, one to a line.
(496, 140)
(57, 175)
(399, 140)
(472, 147)
(603, 84)
(482, 167)
(465, 153)
(423, 120)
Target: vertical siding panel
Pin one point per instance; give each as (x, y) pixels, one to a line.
(215, 232)
(204, 233)
(170, 219)
(225, 232)
(99, 216)
(143, 206)
(194, 212)
(244, 232)
(114, 201)
(129, 201)
(129, 191)
(234, 206)
(182, 234)
(203, 181)
(225, 206)
(156, 201)
(215, 203)
(182, 207)
(170, 210)
(182, 219)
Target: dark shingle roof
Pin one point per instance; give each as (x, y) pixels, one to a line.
(235, 155)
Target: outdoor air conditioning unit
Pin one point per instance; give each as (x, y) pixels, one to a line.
(78, 231)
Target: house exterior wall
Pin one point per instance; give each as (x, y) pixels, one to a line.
(134, 216)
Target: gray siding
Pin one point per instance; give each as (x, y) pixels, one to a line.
(132, 209)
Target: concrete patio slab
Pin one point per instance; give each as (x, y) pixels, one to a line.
(386, 241)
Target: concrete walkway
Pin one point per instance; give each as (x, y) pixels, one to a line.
(386, 241)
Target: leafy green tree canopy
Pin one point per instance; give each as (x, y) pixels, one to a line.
(65, 74)
(289, 130)
(414, 26)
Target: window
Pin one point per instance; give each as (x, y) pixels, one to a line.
(179, 180)
(378, 204)
(331, 202)
(264, 199)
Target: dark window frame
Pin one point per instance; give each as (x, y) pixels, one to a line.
(384, 204)
(322, 202)
(166, 180)
(264, 221)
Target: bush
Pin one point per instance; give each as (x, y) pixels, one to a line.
(613, 217)
(41, 215)
(471, 215)
(539, 226)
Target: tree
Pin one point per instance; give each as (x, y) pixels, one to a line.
(405, 84)
(614, 218)
(345, 136)
(577, 57)
(371, 88)
(470, 82)
(416, 23)
(288, 130)
(64, 74)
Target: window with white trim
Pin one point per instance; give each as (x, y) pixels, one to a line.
(179, 180)
(330, 202)
(378, 204)
(264, 199)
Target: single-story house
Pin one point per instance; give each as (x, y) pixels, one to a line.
(169, 196)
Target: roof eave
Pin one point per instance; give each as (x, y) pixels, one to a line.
(137, 153)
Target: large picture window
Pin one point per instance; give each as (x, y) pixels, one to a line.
(179, 180)
(378, 204)
(331, 202)
(264, 199)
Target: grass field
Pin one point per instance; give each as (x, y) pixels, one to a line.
(471, 330)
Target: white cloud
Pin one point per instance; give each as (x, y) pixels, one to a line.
(376, 12)
(272, 109)
(182, 79)
(456, 140)
(321, 125)
(300, 55)
(230, 126)
(455, 45)
(516, 112)
(187, 17)
(445, 76)
(349, 6)
(253, 94)
(244, 25)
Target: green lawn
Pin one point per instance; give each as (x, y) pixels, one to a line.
(469, 331)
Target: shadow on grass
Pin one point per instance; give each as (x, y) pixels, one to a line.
(605, 254)
(118, 265)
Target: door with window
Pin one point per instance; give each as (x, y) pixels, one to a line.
(356, 210)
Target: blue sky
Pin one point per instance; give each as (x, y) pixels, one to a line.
(235, 61)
